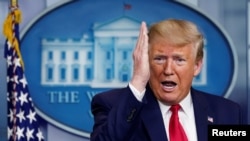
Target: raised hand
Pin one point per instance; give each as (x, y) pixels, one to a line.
(141, 71)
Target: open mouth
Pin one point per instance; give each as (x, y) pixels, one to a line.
(168, 84)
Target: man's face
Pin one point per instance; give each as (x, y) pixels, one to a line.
(172, 70)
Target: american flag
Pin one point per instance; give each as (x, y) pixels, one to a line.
(127, 6)
(23, 124)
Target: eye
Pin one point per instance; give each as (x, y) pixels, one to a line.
(160, 59)
(180, 61)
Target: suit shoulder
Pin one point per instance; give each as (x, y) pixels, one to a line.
(110, 95)
(216, 100)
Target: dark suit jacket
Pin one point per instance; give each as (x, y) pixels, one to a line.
(119, 116)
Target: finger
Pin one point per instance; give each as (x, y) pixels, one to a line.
(143, 37)
(144, 28)
(141, 34)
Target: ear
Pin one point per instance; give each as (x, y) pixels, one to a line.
(198, 67)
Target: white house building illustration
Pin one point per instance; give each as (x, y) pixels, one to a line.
(103, 59)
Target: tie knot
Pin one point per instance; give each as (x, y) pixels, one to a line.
(175, 108)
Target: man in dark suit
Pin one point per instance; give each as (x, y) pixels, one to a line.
(165, 61)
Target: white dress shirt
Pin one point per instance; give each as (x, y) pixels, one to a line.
(186, 114)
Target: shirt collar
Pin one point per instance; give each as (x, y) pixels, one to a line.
(186, 105)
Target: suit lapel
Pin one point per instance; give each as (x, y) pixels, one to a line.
(152, 119)
(203, 116)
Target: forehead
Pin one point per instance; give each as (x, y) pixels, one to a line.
(164, 46)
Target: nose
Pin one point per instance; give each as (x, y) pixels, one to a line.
(168, 68)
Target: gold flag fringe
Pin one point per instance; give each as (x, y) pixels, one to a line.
(13, 18)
